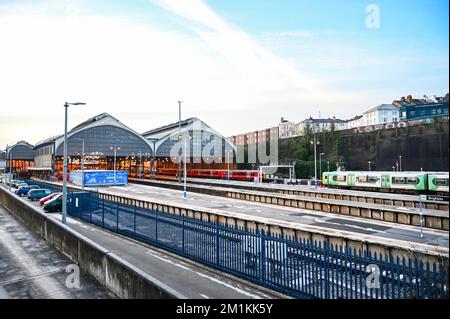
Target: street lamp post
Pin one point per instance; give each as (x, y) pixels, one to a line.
(152, 168)
(315, 141)
(115, 148)
(369, 165)
(179, 132)
(400, 157)
(10, 169)
(64, 194)
(228, 163)
(185, 165)
(320, 165)
(328, 166)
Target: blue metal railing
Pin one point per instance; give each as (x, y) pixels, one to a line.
(295, 267)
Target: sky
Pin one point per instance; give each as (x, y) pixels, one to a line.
(237, 65)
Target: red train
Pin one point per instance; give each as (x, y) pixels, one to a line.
(59, 175)
(242, 175)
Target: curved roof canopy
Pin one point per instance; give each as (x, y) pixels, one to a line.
(205, 141)
(99, 134)
(22, 150)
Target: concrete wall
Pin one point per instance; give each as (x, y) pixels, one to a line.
(117, 275)
(424, 146)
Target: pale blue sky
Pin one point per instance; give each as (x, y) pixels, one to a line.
(238, 65)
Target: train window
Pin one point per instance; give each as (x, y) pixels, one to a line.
(362, 179)
(373, 179)
(440, 181)
(340, 178)
(398, 180)
(412, 180)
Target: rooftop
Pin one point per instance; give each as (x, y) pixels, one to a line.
(169, 127)
(94, 119)
(382, 107)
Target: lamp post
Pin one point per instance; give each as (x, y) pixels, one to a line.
(185, 160)
(228, 163)
(82, 163)
(152, 168)
(179, 132)
(369, 164)
(315, 141)
(115, 148)
(328, 166)
(400, 157)
(320, 165)
(10, 169)
(64, 194)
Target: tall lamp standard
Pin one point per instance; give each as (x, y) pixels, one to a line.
(320, 165)
(228, 163)
(82, 163)
(153, 168)
(179, 132)
(64, 194)
(10, 169)
(316, 142)
(115, 148)
(400, 157)
(185, 160)
(328, 165)
(369, 162)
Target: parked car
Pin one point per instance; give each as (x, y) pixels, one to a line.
(17, 183)
(23, 190)
(54, 205)
(11, 182)
(35, 194)
(48, 198)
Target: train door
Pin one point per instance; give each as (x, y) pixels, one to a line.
(385, 181)
(351, 179)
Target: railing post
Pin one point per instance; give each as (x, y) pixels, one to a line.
(156, 226)
(217, 242)
(103, 212)
(134, 222)
(117, 218)
(262, 255)
(182, 234)
(325, 255)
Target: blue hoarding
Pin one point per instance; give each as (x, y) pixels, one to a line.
(99, 178)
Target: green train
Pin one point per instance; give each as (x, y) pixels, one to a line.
(406, 182)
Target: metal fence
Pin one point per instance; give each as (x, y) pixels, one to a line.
(295, 267)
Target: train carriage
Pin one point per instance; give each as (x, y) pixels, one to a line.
(438, 182)
(412, 182)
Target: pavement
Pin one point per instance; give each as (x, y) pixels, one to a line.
(31, 269)
(188, 278)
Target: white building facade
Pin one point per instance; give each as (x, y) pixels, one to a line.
(381, 114)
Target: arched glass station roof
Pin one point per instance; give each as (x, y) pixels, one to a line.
(99, 134)
(22, 150)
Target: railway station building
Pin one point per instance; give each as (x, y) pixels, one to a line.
(19, 158)
(205, 148)
(104, 140)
